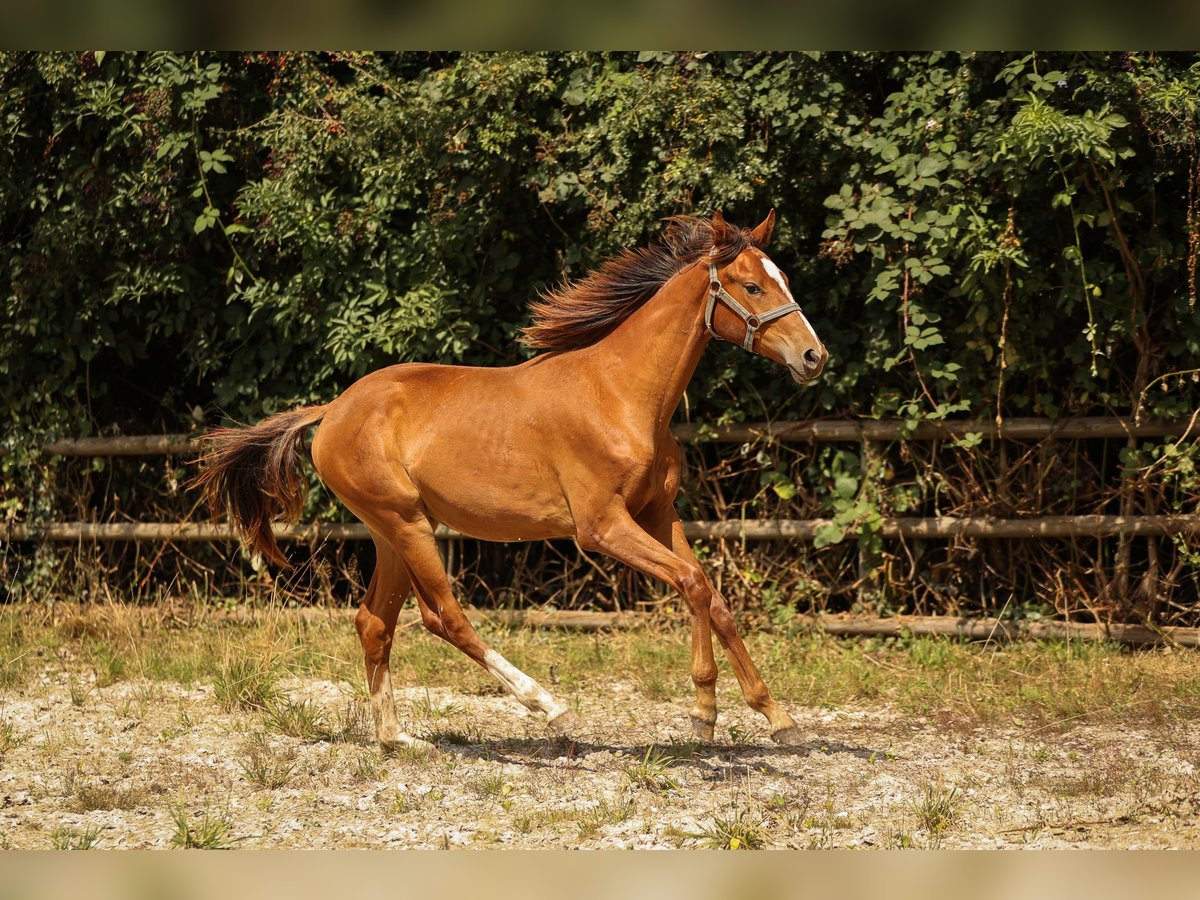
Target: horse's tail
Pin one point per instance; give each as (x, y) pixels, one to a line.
(254, 474)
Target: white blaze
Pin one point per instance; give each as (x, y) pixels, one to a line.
(772, 270)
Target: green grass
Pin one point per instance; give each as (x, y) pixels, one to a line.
(264, 766)
(247, 683)
(299, 719)
(739, 829)
(652, 773)
(11, 737)
(1049, 685)
(592, 819)
(938, 808)
(65, 838)
(209, 831)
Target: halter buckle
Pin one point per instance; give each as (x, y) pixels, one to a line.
(753, 321)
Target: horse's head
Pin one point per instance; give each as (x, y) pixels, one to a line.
(750, 304)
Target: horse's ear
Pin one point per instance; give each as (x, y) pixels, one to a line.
(720, 231)
(762, 234)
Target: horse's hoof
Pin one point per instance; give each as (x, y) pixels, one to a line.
(402, 742)
(791, 736)
(566, 723)
(703, 730)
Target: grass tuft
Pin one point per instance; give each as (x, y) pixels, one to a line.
(459, 737)
(738, 830)
(264, 766)
(592, 819)
(938, 808)
(354, 725)
(209, 832)
(89, 796)
(651, 773)
(10, 737)
(64, 838)
(247, 684)
(304, 720)
(368, 767)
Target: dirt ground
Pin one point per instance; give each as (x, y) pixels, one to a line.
(153, 764)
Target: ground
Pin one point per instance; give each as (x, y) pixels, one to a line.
(109, 742)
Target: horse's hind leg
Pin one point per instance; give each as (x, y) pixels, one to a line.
(376, 624)
(443, 616)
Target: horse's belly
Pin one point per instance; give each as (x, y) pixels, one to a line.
(497, 503)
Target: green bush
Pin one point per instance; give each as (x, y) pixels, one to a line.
(229, 233)
(194, 236)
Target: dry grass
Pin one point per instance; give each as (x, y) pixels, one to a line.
(938, 744)
(1049, 686)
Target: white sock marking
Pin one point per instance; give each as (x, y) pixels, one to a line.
(521, 686)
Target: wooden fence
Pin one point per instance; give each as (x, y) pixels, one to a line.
(845, 431)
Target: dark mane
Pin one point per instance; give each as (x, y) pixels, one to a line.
(582, 312)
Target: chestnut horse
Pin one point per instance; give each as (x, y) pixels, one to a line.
(575, 442)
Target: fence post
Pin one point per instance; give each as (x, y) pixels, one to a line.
(870, 585)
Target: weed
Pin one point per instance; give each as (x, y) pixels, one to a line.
(88, 795)
(54, 743)
(655, 684)
(367, 767)
(79, 693)
(402, 802)
(10, 737)
(592, 819)
(265, 766)
(425, 708)
(110, 666)
(353, 726)
(64, 838)
(938, 808)
(132, 708)
(460, 737)
(417, 754)
(739, 736)
(210, 832)
(184, 726)
(651, 773)
(737, 830)
(490, 785)
(527, 822)
(791, 811)
(303, 719)
(684, 748)
(244, 683)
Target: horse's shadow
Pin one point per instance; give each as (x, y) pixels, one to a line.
(714, 761)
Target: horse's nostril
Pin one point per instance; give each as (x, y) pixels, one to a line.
(811, 359)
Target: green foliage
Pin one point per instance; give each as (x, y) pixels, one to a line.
(194, 236)
(238, 233)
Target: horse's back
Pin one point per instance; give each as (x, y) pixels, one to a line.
(474, 446)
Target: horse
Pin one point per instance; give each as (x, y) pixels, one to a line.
(572, 443)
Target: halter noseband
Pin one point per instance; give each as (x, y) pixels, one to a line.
(754, 321)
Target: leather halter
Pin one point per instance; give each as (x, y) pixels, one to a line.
(754, 321)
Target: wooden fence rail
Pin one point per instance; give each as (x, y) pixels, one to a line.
(828, 431)
(745, 529)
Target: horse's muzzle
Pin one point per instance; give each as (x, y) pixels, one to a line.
(810, 366)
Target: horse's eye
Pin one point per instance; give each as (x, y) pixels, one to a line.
(752, 288)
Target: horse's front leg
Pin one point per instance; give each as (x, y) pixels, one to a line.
(614, 532)
(659, 524)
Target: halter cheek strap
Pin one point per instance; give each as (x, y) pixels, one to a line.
(754, 321)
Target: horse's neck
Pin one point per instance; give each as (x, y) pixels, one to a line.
(651, 356)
